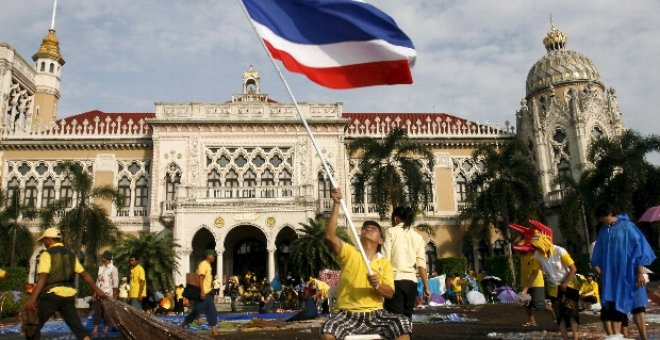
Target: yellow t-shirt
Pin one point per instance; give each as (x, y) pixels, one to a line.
(456, 284)
(354, 292)
(44, 268)
(589, 288)
(179, 293)
(527, 265)
(204, 269)
(323, 288)
(137, 275)
(2, 273)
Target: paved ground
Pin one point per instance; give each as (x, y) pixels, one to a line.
(492, 321)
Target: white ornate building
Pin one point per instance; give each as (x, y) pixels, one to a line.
(240, 175)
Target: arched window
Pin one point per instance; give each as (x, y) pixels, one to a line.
(285, 177)
(249, 179)
(141, 192)
(51, 69)
(66, 192)
(43, 66)
(124, 189)
(172, 181)
(31, 191)
(267, 178)
(324, 186)
(213, 179)
(48, 192)
(461, 188)
(431, 256)
(563, 171)
(231, 180)
(13, 188)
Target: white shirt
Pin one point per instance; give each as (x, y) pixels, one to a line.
(108, 278)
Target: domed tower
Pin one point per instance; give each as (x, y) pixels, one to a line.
(251, 81)
(48, 66)
(566, 106)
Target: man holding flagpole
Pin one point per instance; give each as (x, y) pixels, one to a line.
(360, 295)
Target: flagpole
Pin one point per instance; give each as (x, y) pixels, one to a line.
(324, 163)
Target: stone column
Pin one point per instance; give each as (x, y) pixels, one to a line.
(219, 267)
(271, 263)
(184, 258)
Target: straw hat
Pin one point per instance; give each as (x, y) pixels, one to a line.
(50, 233)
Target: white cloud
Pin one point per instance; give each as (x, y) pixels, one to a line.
(123, 55)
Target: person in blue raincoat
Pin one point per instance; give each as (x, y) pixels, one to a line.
(619, 257)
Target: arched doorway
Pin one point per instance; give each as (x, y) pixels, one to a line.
(202, 240)
(282, 242)
(247, 246)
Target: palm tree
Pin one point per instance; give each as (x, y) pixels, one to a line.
(309, 252)
(87, 223)
(506, 191)
(393, 169)
(19, 243)
(621, 171)
(576, 204)
(157, 254)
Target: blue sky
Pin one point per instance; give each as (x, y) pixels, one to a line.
(473, 56)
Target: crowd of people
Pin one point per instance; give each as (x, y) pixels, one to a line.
(378, 298)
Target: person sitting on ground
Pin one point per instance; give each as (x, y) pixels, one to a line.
(267, 302)
(359, 295)
(589, 292)
(457, 284)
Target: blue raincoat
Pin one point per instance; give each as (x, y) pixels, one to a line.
(620, 249)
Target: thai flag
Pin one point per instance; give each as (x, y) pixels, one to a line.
(336, 43)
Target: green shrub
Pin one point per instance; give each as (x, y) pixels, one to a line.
(451, 265)
(16, 280)
(499, 266)
(10, 307)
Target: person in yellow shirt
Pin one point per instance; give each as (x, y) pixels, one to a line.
(55, 290)
(3, 274)
(589, 291)
(322, 294)
(457, 283)
(560, 269)
(205, 305)
(178, 299)
(138, 283)
(531, 282)
(359, 295)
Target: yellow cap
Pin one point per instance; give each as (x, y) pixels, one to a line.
(50, 233)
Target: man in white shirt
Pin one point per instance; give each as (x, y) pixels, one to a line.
(108, 282)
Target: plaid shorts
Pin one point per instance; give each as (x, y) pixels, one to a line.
(382, 322)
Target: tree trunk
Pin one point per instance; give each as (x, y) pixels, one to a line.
(586, 228)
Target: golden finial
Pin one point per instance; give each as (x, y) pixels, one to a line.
(50, 48)
(555, 39)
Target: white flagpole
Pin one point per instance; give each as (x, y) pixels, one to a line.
(52, 21)
(324, 163)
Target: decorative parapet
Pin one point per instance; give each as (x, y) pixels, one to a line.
(244, 111)
(420, 125)
(85, 126)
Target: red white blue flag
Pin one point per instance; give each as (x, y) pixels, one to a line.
(336, 43)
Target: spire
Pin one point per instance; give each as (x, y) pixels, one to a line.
(555, 39)
(50, 48)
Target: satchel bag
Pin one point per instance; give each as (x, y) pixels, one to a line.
(192, 289)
